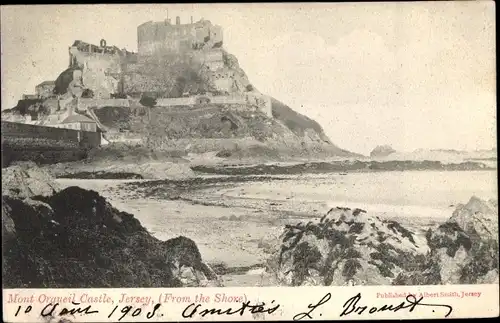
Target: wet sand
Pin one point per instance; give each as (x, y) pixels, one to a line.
(236, 238)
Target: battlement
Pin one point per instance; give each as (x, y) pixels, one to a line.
(81, 49)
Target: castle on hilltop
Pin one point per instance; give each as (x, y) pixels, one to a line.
(179, 64)
(109, 70)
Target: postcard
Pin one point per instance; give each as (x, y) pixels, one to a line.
(249, 162)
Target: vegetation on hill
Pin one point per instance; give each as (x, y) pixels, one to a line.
(295, 121)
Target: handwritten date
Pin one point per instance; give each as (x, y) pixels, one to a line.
(55, 310)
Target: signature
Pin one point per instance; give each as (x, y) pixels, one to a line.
(300, 316)
(193, 309)
(351, 306)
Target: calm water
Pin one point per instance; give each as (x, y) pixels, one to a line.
(416, 193)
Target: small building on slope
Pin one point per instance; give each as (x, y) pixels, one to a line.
(79, 122)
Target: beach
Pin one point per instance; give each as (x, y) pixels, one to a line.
(237, 224)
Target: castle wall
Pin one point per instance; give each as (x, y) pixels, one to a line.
(84, 104)
(166, 102)
(21, 130)
(40, 151)
(211, 59)
(157, 37)
(100, 71)
(230, 99)
(260, 101)
(21, 142)
(100, 61)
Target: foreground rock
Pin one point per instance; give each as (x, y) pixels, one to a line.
(346, 247)
(463, 250)
(76, 239)
(26, 180)
(352, 247)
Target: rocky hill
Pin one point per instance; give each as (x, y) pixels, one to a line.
(241, 129)
(236, 119)
(217, 127)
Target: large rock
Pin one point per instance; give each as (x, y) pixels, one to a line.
(477, 217)
(346, 247)
(76, 239)
(382, 151)
(26, 180)
(463, 250)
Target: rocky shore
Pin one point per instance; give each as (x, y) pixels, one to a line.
(338, 166)
(351, 247)
(75, 238)
(165, 169)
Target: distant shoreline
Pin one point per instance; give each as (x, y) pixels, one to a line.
(340, 167)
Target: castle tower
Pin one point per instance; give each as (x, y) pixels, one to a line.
(177, 20)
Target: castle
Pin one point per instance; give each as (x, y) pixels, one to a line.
(179, 64)
(108, 70)
(160, 37)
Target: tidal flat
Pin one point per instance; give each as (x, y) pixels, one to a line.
(237, 220)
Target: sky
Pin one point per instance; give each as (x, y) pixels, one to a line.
(411, 75)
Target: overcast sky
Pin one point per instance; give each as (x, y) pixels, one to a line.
(411, 75)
